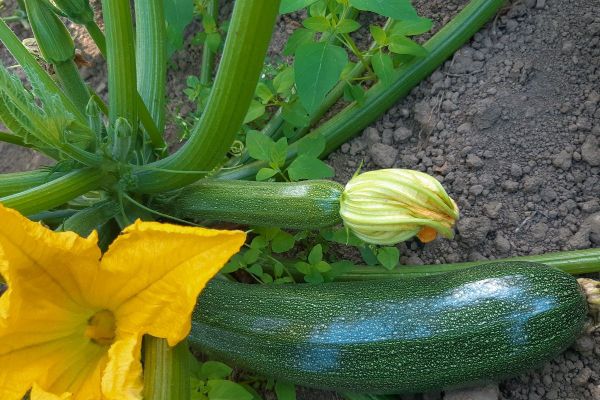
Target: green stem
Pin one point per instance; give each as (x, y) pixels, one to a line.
(208, 56)
(573, 262)
(120, 57)
(354, 118)
(166, 370)
(16, 182)
(151, 53)
(12, 139)
(245, 48)
(97, 36)
(91, 218)
(71, 81)
(56, 192)
(154, 133)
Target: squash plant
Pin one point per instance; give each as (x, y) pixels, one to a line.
(255, 127)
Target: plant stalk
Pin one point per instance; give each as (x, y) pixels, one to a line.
(166, 370)
(245, 48)
(354, 118)
(16, 182)
(55, 192)
(120, 57)
(71, 81)
(573, 262)
(151, 53)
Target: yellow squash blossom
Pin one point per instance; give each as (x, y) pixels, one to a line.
(72, 320)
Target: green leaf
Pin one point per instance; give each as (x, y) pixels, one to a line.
(282, 242)
(263, 92)
(284, 81)
(388, 257)
(303, 268)
(259, 145)
(295, 114)
(317, 24)
(347, 26)
(298, 38)
(307, 167)
(265, 173)
(402, 45)
(213, 41)
(288, 6)
(285, 391)
(318, 8)
(396, 9)
(178, 15)
(256, 110)
(315, 255)
(317, 68)
(219, 389)
(259, 242)
(323, 266)
(354, 93)
(368, 255)
(266, 278)
(312, 146)
(278, 153)
(412, 27)
(256, 269)
(378, 34)
(314, 277)
(251, 256)
(214, 370)
(383, 66)
(278, 269)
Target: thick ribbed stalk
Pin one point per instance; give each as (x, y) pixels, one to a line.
(245, 48)
(56, 192)
(354, 118)
(166, 370)
(154, 133)
(32, 68)
(151, 53)
(208, 56)
(120, 57)
(16, 182)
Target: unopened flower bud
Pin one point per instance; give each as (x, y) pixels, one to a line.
(389, 206)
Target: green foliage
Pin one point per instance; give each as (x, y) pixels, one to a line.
(212, 380)
(305, 166)
(396, 9)
(178, 15)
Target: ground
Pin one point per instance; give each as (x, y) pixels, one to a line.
(511, 127)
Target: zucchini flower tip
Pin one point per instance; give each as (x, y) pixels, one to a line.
(389, 206)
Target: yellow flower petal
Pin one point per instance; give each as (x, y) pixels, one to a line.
(22, 367)
(122, 379)
(58, 263)
(38, 393)
(158, 290)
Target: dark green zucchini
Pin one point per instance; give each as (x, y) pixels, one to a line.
(295, 205)
(394, 336)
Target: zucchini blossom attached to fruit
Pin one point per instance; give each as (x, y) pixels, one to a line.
(389, 206)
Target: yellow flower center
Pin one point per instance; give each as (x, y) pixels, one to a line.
(101, 328)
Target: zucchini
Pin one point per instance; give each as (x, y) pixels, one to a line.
(394, 336)
(294, 205)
